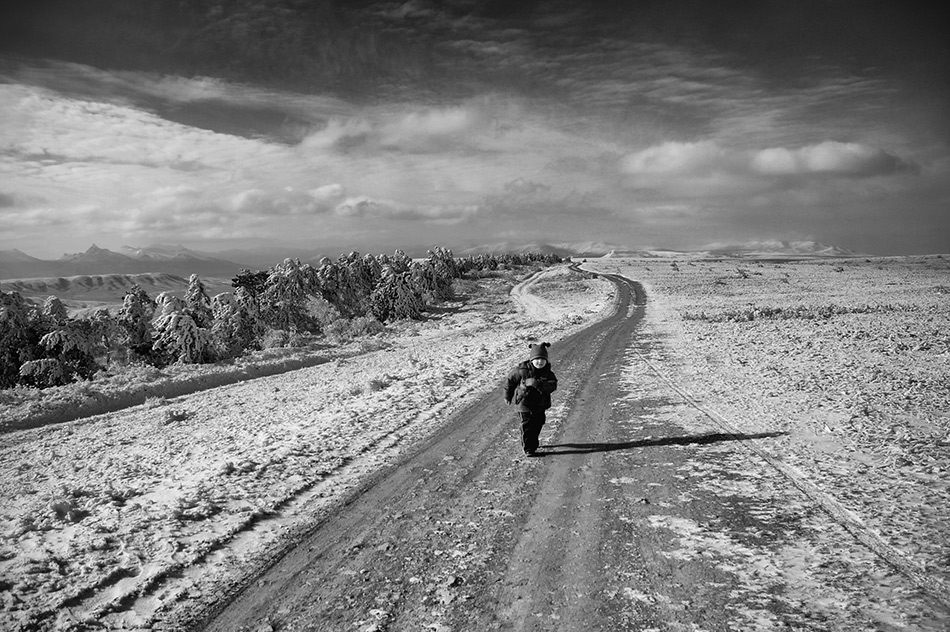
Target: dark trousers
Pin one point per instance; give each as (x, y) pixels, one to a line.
(531, 424)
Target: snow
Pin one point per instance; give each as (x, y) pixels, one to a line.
(117, 519)
(102, 512)
(861, 392)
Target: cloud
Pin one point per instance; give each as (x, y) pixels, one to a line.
(698, 142)
(829, 157)
(284, 202)
(705, 158)
(673, 158)
(432, 128)
(38, 218)
(410, 129)
(373, 208)
(7, 200)
(339, 134)
(328, 193)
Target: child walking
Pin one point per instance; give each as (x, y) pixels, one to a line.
(530, 385)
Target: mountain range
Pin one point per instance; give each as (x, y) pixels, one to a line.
(177, 260)
(183, 262)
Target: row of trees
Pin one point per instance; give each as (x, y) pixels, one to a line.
(41, 345)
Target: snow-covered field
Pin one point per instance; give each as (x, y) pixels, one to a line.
(849, 357)
(121, 518)
(116, 518)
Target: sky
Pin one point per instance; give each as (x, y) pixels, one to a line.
(380, 125)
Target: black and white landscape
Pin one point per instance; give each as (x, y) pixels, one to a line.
(266, 266)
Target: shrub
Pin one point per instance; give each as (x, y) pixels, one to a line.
(281, 338)
(343, 329)
(800, 312)
(43, 373)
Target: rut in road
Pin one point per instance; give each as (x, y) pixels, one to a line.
(464, 524)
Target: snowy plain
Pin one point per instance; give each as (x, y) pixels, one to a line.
(113, 519)
(116, 520)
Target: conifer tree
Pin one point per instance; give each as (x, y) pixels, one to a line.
(135, 318)
(197, 302)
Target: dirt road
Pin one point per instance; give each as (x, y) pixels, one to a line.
(641, 515)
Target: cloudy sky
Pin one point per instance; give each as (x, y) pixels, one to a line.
(376, 125)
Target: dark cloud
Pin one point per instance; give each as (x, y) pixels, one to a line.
(544, 115)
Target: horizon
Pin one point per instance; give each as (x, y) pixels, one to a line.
(800, 247)
(456, 122)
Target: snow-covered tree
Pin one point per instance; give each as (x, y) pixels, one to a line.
(395, 297)
(254, 283)
(75, 345)
(55, 311)
(348, 283)
(108, 333)
(178, 338)
(197, 302)
(236, 324)
(433, 278)
(43, 373)
(167, 303)
(290, 286)
(20, 331)
(135, 318)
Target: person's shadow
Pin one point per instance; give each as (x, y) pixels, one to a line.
(704, 439)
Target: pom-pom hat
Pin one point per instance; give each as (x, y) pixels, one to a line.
(539, 350)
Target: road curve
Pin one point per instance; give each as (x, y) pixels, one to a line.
(466, 534)
(446, 526)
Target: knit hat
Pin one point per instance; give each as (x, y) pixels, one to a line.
(539, 350)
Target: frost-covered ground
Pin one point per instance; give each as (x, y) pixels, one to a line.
(850, 358)
(112, 519)
(119, 518)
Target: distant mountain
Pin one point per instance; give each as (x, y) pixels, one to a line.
(100, 261)
(640, 254)
(591, 248)
(514, 248)
(776, 248)
(745, 250)
(165, 253)
(14, 262)
(16, 256)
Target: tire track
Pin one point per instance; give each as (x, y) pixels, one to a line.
(461, 478)
(933, 586)
(463, 535)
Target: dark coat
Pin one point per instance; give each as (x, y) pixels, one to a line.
(547, 384)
